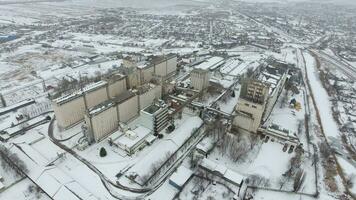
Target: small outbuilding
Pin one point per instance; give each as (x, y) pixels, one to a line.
(180, 177)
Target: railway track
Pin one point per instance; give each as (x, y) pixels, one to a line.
(347, 69)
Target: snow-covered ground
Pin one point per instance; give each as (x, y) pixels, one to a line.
(21, 191)
(321, 97)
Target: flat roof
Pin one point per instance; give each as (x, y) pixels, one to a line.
(223, 170)
(89, 88)
(101, 107)
(162, 58)
(152, 108)
(140, 132)
(181, 176)
(210, 63)
(124, 96)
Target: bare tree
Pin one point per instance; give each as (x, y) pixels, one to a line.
(10, 161)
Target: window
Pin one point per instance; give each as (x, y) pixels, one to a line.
(254, 106)
(246, 104)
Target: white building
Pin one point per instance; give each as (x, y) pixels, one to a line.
(133, 140)
(155, 117)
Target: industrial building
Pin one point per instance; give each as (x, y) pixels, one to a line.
(258, 97)
(132, 140)
(199, 79)
(155, 117)
(70, 109)
(147, 93)
(251, 105)
(117, 85)
(140, 72)
(164, 65)
(103, 119)
(98, 102)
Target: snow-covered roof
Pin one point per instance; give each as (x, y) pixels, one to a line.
(181, 176)
(101, 107)
(88, 88)
(222, 170)
(168, 146)
(136, 135)
(210, 63)
(205, 145)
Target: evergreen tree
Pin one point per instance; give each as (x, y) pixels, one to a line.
(102, 152)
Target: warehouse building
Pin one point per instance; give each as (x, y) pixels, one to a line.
(95, 93)
(132, 140)
(146, 72)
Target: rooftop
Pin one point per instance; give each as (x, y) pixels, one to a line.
(100, 107)
(91, 87)
(123, 97)
(210, 63)
(152, 108)
(132, 137)
(159, 59)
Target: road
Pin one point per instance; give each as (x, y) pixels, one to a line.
(109, 184)
(339, 170)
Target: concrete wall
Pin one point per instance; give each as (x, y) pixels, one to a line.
(256, 110)
(148, 97)
(69, 113)
(167, 67)
(199, 79)
(102, 124)
(95, 97)
(172, 65)
(160, 69)
(147, 120)
(243, 122)
(146, 74)
(117, 88)
(128, 109)
(133, 79)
